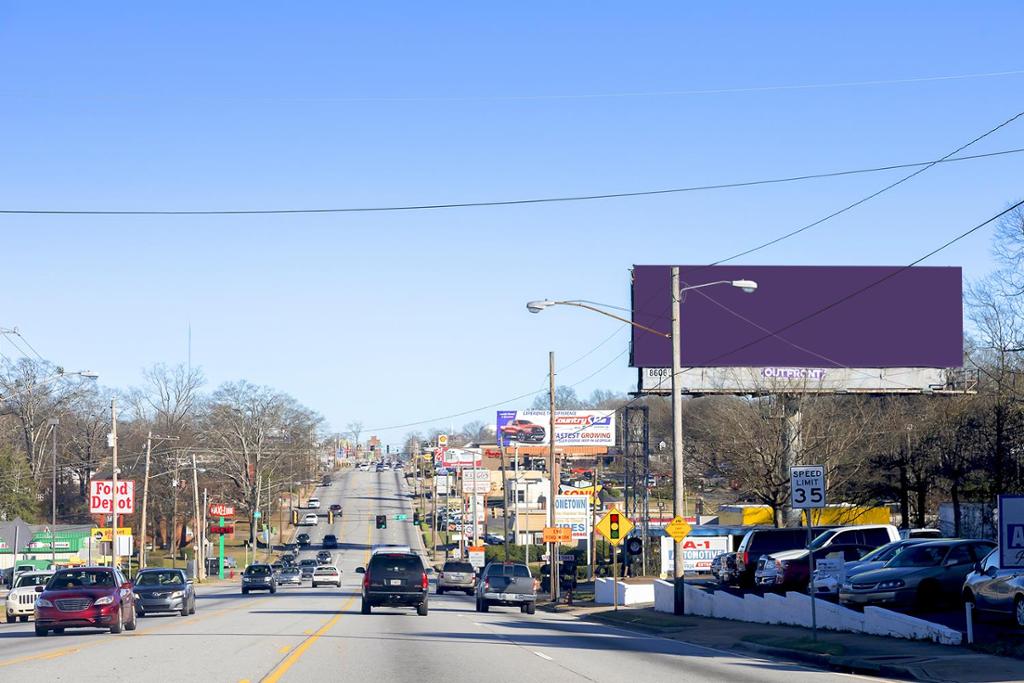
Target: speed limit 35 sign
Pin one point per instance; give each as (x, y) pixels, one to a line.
(807, 486)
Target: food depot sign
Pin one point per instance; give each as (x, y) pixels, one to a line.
(101, 497)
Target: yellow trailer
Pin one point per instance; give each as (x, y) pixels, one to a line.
(833, 515)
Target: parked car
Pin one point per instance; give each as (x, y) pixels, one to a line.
(88, 597)
(828, 586)
(507, 583)
(164, 590)
(22, 598)
(323, 557)
(493, 539)
(394, 578)
(364, 467)
(456, 576)
(311, 519)
(336, 507)
(326, 574)
(922, 575)
(764, 541)
(994, 590)
(920, 533)
(313, 503)
(330, 542)
(289, 576)
(524, 431)
(723, 568)
(302, 540)
(307, 566)
(259, 577)
(791, 569)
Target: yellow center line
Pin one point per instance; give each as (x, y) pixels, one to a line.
(284, 650)
(290, 660)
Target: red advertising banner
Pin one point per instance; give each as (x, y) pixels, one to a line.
(101, 497)
(222, 510)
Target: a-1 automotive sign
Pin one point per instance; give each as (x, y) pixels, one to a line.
(698, 552)
(572, 427)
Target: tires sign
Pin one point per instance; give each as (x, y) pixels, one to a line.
(807, 486)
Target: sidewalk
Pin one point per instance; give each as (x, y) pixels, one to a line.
(845, 652)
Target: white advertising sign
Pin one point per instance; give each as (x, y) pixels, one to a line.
(476, 481)
(101, 497)
(698, 551)
(443, 484)
(461, 458)
(477, 558)
(831, 567)
(807, 486)
(768, 380)
(572, 427)
(574, 512)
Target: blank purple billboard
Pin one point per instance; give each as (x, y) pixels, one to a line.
(803, 316)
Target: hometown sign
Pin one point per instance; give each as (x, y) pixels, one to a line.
(101, 497)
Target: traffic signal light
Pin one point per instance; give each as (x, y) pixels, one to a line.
(387, 449)
(382, 521)
(613, 525)
(330, 516)
(295, 517)
(634, 546)
(372, 448)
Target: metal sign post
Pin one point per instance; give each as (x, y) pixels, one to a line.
(807, 492)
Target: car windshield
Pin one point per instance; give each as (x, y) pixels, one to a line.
(81, 578)
(458, 567)
(258, 570)
(307, 563)
(32, 580)
(516, 570)
(158, 578)
(918, 556)
(822, 539)
(396, 563)
(886, 552)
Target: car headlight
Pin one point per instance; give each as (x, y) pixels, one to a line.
(178, 594)
(43, 602)
(137, 596)
(846, 587)
(106, 600)
(895, 583)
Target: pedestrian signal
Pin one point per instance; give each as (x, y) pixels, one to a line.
(382, 521)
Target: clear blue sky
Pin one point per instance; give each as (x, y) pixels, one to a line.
(395, 318)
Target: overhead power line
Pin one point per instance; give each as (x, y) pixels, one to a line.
(949, 158)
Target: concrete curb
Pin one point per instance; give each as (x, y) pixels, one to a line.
(840, 664)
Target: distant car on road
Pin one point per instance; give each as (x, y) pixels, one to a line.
(523, 430)
(302, 540)
(364, 467)
(330, 542)
(289, 576)
(259, 577)
(22, 598)
(456, 576)
(380, 467)
(310, 520)
(307, 566)
(326, 574)
(506, 583)
(89, 597)
(923, 575)
(335, 507)
(313, 504)
(395, 579)
(994, 590)
(323, 557)
(164, 590)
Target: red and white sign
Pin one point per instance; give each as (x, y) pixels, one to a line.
(222, 510)
(460, 457)
(101, 497)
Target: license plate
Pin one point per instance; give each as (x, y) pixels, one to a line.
(508, 596)
(394, 582)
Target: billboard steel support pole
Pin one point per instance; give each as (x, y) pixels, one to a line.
(553, 558)
(678, 486)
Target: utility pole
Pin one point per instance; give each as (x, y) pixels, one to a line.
(113, 493)
(679, 491)
(504, 493)
(145, 500)
(197, 550)
(174, 518)
(53, 422)
(553, 557)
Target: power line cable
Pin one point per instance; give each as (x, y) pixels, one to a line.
(515, 202)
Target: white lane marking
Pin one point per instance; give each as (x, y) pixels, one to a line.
(542, 655)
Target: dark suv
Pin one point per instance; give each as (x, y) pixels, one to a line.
(259, 577)
(765, 541)
(395, 579)
(330, 541)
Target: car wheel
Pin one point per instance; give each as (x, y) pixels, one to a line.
(133, 624)
(192, 610)
(58, 630)
(421, 609)
(24, 619)
(928, 595)
(40, 631)
(440, 591)
(1018, 611)
(365, 609)
(10, 619)
(184, 609)
(314, 584)
(484, 606)
(117, 626)
(531, 608)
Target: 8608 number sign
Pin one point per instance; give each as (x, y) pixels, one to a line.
(807, 486)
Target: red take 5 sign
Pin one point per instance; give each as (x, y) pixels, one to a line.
(222, 510)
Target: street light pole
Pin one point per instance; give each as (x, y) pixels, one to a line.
(53, 494)
(113, 478)
(553, 558)
(678, 485)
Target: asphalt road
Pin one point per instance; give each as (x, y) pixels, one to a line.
(302, 634)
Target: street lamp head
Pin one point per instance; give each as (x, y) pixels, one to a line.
(89, 374)
(539, 305)
(747, 286)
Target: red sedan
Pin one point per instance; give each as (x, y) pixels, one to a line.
(89, 597)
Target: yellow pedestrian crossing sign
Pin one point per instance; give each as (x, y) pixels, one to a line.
(678, 529)
(615, 526)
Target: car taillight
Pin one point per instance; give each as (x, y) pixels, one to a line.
(425, 583)
(487, 584)
(536, 585)
(746, 558)
(366, 580)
